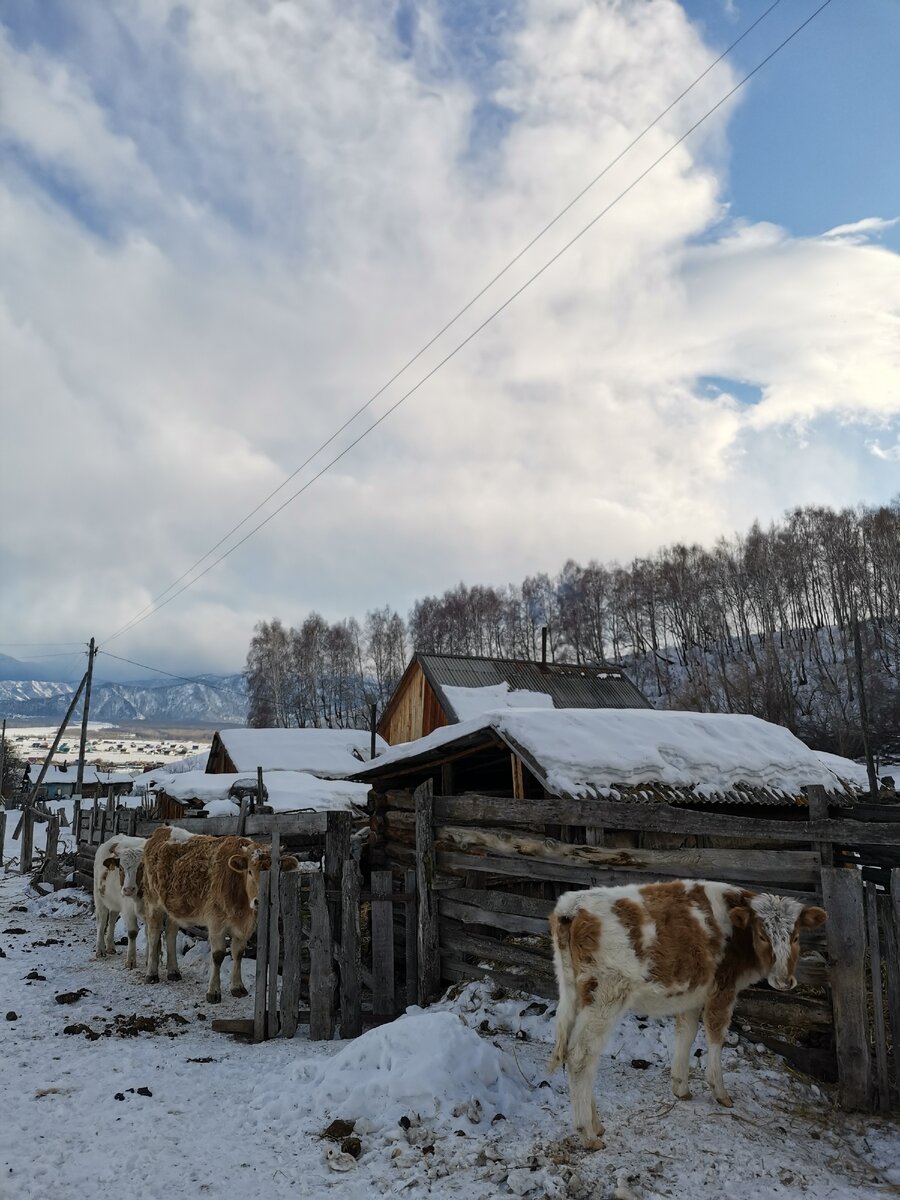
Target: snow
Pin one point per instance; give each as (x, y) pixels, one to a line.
(184, 1112)
(288, 791)
(583, 751)
(428, 1062)
(332, 753)
(475, 701)
(845, 768)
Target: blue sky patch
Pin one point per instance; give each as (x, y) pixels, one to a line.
(743, 391)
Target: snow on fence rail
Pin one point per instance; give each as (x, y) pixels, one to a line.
(489, 875)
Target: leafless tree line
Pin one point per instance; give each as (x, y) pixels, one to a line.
(798, 623)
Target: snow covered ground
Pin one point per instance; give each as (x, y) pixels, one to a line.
(114, 1087)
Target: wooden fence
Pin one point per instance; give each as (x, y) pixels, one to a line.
(329, 952)
(489, 875)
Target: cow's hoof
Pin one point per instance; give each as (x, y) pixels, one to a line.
(725, 1101)
(100, 954)
(591, 1141)
(129, 966)
(239, 992)
(152, 979)
(213, 997)
(554, 1062)
(681, 1091)
(173, 976)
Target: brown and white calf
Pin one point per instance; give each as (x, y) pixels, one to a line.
(678, 948)
(200, 880)
(118, 870)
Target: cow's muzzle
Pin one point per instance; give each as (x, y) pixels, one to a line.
(129, 891)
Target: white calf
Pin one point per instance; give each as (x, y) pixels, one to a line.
(118, 879)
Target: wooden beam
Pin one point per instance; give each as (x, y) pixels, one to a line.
(846, 933)
(382, 945)
(349, 962)
(289, 888)
(428, 955)
(321, 956)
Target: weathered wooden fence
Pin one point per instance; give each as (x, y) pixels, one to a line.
(489, 876)
(330, 953)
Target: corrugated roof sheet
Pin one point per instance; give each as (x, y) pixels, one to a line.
(594, 686)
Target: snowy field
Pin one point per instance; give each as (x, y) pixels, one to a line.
(114, 1087)
(107, 745)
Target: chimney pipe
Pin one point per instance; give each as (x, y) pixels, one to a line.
(543, 645)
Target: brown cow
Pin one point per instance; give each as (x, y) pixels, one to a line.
(678, 948)
(199, 880)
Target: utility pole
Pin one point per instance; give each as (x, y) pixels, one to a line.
(92, 653)
(863, 707)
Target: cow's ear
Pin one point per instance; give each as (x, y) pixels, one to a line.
(812, 918)
(740, 916)
(289, 863)
(239, 863)
(110, 863)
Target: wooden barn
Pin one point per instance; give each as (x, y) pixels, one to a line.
(325, 753)
(444, 689)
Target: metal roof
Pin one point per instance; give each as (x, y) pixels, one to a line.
(571, 686)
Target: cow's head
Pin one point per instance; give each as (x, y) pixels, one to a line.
(775, 923)
(129, 862)
(250, 862)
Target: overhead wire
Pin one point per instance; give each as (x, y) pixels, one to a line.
(487, 321)
(453, 320)
(158, 671)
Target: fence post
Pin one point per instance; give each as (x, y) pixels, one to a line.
(274, 939)
(262, 956)
(412, 956)
(842, 894)
(76, 819)
(428, 947)
(290, 966)
(51, 860)
(27, 842)
(321, 973)
(349, 953)
(817, 799)
(891, 910)
(382, 946)
(2, 832)
(882, 1078)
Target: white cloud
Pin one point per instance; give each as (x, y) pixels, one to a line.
(277, 204)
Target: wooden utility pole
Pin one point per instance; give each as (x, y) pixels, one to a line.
(57, 740)
(863, 708)
(2, 763)
(92, 653)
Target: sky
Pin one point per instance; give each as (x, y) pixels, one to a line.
(225, 226)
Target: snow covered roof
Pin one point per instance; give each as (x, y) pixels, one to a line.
(850, 772)
(473, 702)
(92, 775)
(328, 753)
(287, 791)
(583, 752)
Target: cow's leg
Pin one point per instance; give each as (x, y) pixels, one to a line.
(685, 1032)
(111, 918)
(172, 972)
(153, 923)
(716, 1019)
(217, 955)
(238, 946)
(596, 1017)
(102, 913)
(131, 925)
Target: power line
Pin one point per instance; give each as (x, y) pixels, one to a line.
(143, 616)
(359, 411)
(41, 643)
(145, 667)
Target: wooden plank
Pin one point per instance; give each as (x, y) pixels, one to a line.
(264, 824)
(2, 832)
(454, 970)
(349, 952)
(382, 945)
(321, 972)
(745, 865)
(519, 867)
(412, 949)
(457, 941)
(428, 956)
(504, 902)
(51, 859)
(289, 899)
(262, 960)
(470, 914)
(661, 818)
(337, 851)
(782, 1009)
(879, 1028)
(890, 904)
(274, 947)
(846, 936)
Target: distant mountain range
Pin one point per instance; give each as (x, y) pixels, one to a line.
(209, 699)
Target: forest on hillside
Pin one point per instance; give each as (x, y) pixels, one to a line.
(798, 623)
